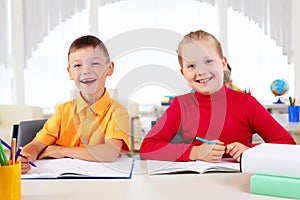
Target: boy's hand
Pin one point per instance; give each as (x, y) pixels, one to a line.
(235, 150)
(25, 166)
(208, 152)
(52, 152)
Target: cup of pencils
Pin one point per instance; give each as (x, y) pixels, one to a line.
(10, 175)
(293, 111)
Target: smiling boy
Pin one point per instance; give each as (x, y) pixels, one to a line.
(92, 127)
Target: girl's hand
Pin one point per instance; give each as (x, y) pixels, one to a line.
(235, 150)
(208, 152)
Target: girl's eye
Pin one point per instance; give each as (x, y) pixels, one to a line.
(209, 61)
(191, 66)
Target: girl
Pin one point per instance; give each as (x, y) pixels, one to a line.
(227, 119)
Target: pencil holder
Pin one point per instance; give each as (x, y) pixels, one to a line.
(293, 112)
(10, 182)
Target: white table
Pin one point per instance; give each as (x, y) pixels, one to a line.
(234, 186)
(283, 120)
(294, 128)
(277, 108)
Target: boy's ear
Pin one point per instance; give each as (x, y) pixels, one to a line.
(110, 69)
(69, 72)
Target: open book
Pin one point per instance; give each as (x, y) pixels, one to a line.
(167, 167)
(272, 159)
(75, 168)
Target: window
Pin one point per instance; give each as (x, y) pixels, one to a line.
(254, 58)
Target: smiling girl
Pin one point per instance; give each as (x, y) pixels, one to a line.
(226, 118)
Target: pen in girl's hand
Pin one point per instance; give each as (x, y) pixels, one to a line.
(206, 141)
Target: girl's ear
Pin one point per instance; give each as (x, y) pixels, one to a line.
(224, 62)
(110, 69)
(181, 71)
(69, 72)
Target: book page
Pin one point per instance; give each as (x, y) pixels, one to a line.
(272, 159)
(168, 167)
(226, 165)
(58, 168)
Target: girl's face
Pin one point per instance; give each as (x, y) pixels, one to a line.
(202, 67)
(88, 68)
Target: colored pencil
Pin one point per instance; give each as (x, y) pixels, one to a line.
(13, 150)
(3, 154)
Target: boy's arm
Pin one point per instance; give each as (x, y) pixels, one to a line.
(107, 152)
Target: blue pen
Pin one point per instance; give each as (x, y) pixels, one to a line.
(18, 152)
(206, 141)
(7, 146)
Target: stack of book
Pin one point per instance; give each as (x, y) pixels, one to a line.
(275, 168)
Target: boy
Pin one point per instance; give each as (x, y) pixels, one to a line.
(92, 127)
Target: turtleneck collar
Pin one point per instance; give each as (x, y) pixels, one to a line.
(219, 95)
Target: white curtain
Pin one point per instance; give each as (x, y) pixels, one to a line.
(274, 17)
(40, 17)
(4, 32)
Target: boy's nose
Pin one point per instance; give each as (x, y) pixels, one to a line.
(86, 68)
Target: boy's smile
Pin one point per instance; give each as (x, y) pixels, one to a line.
(88, 81)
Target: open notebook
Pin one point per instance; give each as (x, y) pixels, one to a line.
(167, 167)
(75, 168)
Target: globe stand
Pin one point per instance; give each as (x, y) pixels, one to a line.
(278, 102)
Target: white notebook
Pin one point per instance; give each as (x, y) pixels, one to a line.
(156, 167)
(75, 168)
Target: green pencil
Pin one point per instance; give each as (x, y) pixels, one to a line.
(2, 163)
(291, 101)
(3, 154)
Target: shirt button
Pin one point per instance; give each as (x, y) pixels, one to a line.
(87, 120)
(83, 141)
(89, 109)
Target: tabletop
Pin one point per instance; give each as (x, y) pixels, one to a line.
(144, 187)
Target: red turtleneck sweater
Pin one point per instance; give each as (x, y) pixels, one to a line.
(227, 115)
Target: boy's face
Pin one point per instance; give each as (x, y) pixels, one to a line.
(202, 66)
(88, 67)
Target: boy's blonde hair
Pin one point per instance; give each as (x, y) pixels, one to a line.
(88, 41)
(199, 35)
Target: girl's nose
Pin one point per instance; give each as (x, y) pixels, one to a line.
(199, 69)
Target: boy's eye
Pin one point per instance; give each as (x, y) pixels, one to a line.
(77, 65)
(95, 64)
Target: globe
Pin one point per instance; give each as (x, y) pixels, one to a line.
(279, 88)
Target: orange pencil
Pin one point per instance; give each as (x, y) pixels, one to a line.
(13, 150)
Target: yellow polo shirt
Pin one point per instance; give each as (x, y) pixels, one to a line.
(76, 124)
